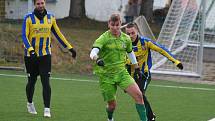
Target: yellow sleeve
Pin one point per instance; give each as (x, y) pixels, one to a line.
(25, 33)
(163, 51)
(56, 31)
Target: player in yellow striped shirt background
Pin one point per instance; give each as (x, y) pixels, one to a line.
(36, 36)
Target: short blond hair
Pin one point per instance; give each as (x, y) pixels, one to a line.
(115, 17)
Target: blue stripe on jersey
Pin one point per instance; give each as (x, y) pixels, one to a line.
(143, 66)
(48, 16)
(162, 47)
(33, 42)
(135, 48)
(47, 46)
(145, 38)
(149, 61)
(142, 41)
(24, 37)
(41, 46)
(42, 21)
(58, 38)
(33, 19)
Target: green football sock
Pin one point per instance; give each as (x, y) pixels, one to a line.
(109, 113)
(149, 111)
(141, 111)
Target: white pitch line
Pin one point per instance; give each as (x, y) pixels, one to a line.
(24, 76)
(212, 119)
(180, 87)
(79, 80)
(85, 80)
(12, 75)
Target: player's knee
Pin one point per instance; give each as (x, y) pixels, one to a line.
(111, 106)
(45, 80)
(32, 79)
(45, 74)
(139, 97)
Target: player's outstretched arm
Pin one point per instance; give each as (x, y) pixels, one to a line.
(60, 37)
(165, 52)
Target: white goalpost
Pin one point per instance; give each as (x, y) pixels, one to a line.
(183, 34)
(189, 28)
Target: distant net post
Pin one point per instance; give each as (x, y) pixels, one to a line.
(144, 28)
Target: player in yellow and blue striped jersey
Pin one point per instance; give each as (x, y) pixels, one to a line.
(142, 47)
(36, 35)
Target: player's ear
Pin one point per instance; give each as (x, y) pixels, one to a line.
(120, 22)
(108, 24)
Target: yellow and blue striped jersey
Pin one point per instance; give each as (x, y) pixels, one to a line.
(142, 52)
(36, 34)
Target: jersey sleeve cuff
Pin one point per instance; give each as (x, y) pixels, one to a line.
(69, 47)
(177, 62)
(129, 51)
(96, 47)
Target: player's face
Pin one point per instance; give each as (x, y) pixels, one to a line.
(40, 5)
(132, 32)
(114, 27)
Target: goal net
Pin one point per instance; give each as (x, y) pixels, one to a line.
(144, 28)
(184, 33)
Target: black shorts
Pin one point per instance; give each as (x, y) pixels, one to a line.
(39, 65)
(143, 84)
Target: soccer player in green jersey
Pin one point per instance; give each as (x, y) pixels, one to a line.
(36, 36)
(142, 47)
(109, 53)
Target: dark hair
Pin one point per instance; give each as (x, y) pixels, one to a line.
(36, 0)
(131, 24)
(115, 17)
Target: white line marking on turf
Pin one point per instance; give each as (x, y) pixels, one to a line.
(212, 119)
(180, 87)
(23, 76)
(85, 80)
(80, 80)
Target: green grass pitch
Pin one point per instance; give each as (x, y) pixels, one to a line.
(79, 99)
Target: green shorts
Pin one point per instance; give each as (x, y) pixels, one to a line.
(108, 83)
